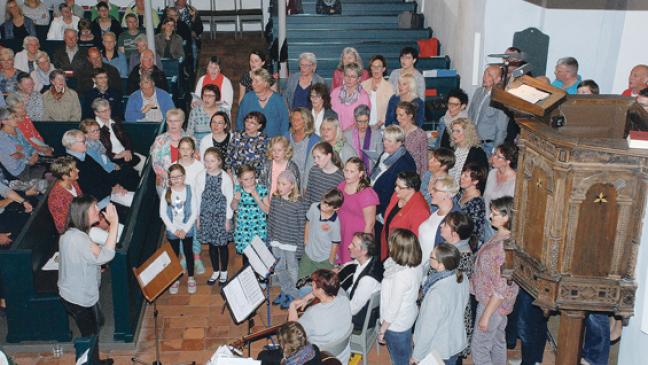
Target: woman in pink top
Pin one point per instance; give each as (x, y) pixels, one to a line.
(495, 297)
(345, 98)
(358, 212)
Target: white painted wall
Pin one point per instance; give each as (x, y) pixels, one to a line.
(605, 42)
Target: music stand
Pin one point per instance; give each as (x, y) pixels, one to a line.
(154, 277)
(262, 261)
(243, 296)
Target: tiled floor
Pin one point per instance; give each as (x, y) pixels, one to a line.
(191, 328)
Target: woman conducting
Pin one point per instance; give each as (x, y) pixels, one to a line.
(80, 266)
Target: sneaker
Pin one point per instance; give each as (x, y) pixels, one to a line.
(213, 278)
(191, 285)
(199, 267)
(279, 299)
(174, 287)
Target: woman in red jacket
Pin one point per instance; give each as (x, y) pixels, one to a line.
(407, 208)
(64, 190)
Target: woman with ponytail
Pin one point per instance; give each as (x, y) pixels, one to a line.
(445, 295)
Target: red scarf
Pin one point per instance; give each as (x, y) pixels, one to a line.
(209, 81)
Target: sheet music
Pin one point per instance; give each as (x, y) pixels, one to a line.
(53, 263)
(155, 268)
(243, 294)
(259, 256)
(83, 359)
(529, 93)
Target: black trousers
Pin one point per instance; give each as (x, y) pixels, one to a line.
(218, 255)
(187, 248)
(88, 319)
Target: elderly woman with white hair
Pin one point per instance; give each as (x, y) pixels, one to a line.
(297, 91)
(60, 102)
(567, 77)
(25, 60)
(30, 96)
(406, 92)
(8, 72)
(41, 72)
(17, 106)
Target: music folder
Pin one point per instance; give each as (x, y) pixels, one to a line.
(260, 257)
(158, 272)
(243, 295)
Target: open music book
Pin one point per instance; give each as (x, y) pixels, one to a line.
(243, 294)
(528, 93)
(260, 257)
(224, 356)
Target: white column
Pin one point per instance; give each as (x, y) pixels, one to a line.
(148, 25)
(281, 9)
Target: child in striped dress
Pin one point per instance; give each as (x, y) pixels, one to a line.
(286, 240)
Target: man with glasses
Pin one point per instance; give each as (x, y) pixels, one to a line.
(102, 90)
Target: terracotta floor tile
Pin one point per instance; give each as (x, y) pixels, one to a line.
(194, 333)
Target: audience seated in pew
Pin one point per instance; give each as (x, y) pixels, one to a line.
(113, 12)
(147, 67)
(167, 43)
(17, 26)
(18, 159)
(25, 60)
(113, 57)
(149, 103)
(126, 39)
(17, 106)
(93, 179)
(102, 90)
(69, 56)
(8, 73)
(37, 11)
(71, 4)
(87, 39)
(65, 188)
(140, 45)
(104, 22)
(637, 80)
(94, 62)
(32, 99)
(66, 20)
(60, 102)
(41, 73)
(95, 148)
(113, 137)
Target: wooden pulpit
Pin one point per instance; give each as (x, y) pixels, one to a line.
(579, 203)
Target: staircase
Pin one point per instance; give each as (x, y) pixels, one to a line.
(371, 27)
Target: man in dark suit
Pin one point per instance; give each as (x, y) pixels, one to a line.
(147, 65)
(70, 57)
(94, 62)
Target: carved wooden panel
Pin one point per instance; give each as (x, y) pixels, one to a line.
(535, 215)
(595, 232)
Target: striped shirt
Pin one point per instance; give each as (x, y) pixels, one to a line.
(286, 222)
(320, 183)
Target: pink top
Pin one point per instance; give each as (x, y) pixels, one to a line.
(277, 169)
(338, 77)
(345, 111)
(487, 279)
(351, 217)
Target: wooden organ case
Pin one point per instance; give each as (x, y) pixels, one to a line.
(580, 200)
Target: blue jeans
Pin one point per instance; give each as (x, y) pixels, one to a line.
(528, 323)
(399, 345)
(596, 346)
(488, 147)
(452, 360)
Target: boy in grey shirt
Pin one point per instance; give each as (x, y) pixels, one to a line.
(322, 234)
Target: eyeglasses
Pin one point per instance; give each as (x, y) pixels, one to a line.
(398, 187)
(315, 97)
(209, 95)
(176, 178)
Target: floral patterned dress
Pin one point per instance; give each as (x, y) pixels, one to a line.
(244, 149)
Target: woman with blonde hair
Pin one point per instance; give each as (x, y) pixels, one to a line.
(331, 133)
(295, 348)
(400, 288)
(467, 146)
(406, 92)
(349, 55)
(302, 139)
(263, 99)
(17, 26)
(279, 159)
